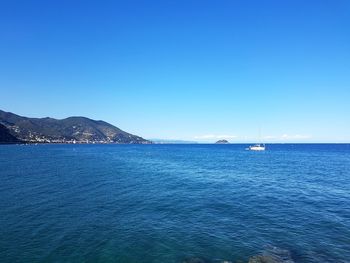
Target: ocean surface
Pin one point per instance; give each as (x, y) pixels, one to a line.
(169, 203)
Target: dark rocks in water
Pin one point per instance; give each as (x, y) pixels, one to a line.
(263, 259)
(194, 260)
(273, 254)
(222, 142)
(201, 260)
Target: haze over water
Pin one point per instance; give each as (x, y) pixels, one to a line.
(165, 203)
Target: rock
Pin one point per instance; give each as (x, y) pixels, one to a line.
(263, 259)
(194, 260)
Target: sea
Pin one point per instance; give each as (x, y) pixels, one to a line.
(175, 203)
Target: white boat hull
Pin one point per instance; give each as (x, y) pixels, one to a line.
(257, 148)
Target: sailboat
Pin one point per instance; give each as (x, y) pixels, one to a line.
(259, 146)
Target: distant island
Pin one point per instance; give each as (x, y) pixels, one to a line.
(222, 142)
(19, 129)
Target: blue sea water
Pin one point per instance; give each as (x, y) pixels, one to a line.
(166, 203)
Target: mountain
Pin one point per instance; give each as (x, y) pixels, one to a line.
(69, 130)
(6, 136)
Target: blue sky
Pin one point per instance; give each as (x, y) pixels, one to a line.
(193, 70)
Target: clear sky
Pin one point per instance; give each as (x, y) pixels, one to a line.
(194, 70)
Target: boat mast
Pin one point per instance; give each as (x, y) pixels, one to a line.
(260, 142)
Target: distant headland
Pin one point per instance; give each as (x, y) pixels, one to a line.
(19, 129)
(222, 142)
